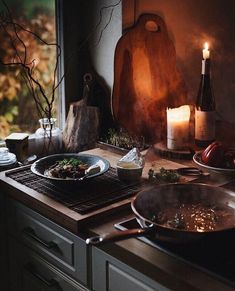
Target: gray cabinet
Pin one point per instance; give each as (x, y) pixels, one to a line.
(110, 274)
(30, 272)
(43, 255)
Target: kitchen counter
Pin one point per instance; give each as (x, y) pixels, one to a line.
(63, 215)
(175, 273)
(157, 265)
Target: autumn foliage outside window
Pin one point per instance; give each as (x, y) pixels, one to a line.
(17, 107)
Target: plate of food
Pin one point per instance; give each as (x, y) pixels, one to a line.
(216, 158)
(70, 167)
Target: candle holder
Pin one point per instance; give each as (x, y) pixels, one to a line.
(160, 148)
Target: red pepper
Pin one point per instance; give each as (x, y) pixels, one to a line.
(213, 155)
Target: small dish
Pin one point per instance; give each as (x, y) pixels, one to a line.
(225, 171)
(129, 171)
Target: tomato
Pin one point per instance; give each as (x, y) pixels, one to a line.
(214, 155)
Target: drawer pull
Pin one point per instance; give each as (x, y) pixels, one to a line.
(32, 271)
(28, 231)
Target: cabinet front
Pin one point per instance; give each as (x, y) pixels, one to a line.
(63, 249)
(30, 272)
(110, 274)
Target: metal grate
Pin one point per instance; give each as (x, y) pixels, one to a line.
(84, 197)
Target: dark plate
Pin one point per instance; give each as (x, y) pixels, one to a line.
(41, 166)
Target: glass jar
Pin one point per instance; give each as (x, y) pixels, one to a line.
(47, 138)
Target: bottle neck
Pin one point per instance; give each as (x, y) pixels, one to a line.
(206, 67)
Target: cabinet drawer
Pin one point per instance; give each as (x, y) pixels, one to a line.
(111, 274)
(64, 249)
(28, 271)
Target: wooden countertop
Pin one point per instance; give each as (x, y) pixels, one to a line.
(154, 263)
(61, 214)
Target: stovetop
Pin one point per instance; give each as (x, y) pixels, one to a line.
(215, 256)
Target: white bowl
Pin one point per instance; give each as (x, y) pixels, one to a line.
(225, 171)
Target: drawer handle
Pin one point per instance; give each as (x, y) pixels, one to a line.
(32, 271)
(28, 231)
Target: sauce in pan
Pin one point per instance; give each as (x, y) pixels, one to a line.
(195, 217)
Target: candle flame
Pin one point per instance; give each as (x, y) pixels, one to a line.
(206, 45)
(181, 113)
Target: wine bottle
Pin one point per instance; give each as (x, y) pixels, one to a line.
(205, 106)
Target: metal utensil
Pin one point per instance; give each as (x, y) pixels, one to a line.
(189, 171)
(92, 170)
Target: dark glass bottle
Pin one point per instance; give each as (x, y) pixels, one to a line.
(205, 109)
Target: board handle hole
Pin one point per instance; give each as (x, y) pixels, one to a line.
(152, 26)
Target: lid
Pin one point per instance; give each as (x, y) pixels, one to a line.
(6, 158)
(19, 136)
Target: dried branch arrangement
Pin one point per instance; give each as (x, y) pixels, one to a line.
(18, 39)
(22, 57)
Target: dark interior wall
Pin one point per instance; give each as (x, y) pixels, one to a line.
(76, 57)
(88, 43)
(190, 23)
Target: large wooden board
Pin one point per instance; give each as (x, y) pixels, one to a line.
(146, 79)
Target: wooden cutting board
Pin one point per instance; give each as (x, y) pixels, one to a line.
(146, 80)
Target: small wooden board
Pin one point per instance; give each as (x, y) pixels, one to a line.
(161, 149)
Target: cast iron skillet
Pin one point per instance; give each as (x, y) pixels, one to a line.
(151, 201)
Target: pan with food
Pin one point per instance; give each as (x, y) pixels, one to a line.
(179, 213)
(70, 166)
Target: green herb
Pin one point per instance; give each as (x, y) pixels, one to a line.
(72, 161)
(120, 138)
(163, 176)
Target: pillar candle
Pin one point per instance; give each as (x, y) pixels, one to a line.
(178, 127)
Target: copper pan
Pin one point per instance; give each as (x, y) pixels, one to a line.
(151, 201)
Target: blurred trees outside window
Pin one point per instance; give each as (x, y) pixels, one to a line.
(17, 107)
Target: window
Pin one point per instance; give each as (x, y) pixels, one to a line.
(18, 111)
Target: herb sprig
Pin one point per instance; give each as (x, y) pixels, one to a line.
(163, 176)
(72, 161)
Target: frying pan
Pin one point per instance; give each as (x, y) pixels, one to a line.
(153, 200)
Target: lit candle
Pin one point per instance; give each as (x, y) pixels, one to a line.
(177, 127)
(205, 51)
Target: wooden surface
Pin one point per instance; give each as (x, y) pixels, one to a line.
(146, 80)
(163, 151)
(74, 221)
(81, 128)
(68, 218)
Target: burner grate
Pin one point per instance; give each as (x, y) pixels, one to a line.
(81, 197)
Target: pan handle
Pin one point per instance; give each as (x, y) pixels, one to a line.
(120, 235)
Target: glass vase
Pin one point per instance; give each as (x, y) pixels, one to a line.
(48, 137)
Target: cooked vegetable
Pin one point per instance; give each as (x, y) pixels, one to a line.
(216, 155)
(68, 168)
(213, 155)
(163, 176)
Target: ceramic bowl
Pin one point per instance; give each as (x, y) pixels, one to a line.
(213, 170)
(129, 172)
(41, 166)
